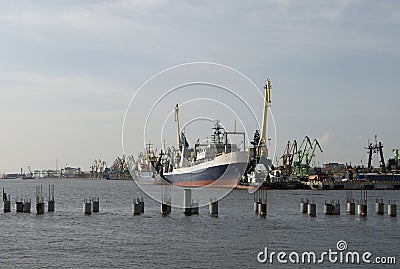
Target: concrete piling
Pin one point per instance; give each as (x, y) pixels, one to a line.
(350, 206)
(19, 206)
(328, 208)
(195, 207)
(40, 208)
(255, 204)
(27, 206)
(262, 209)
(362, 209)
(392, 209)
(51, 202)
(50, 205)
(87, 206)
(363, 205)
(213, 207)
(166, 199)
(136, 208)
(336, 208)
(95, 205)
(140, 201)
(304, 205)
(257, 200)
(379, 206)
(312, 209)
(7, 206)
(39, 200)
(260, 202)
(165, 208)
(187, 202)
(6, 202)
(332, 208)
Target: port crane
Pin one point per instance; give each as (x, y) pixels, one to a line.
(304, 147)
(288, 155)
(262, 145)
(305, 155)
(259, 153)
(310, 157)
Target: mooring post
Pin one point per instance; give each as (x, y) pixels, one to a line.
(363, 204)
(187, 202)
(312, 209)
(136, 210)
(213, 207)
(87, 206)
(350, 206)
(392, 209)
(27, 206)
(39, 200)
(166, 200)
(7, 204)
(195, 207)
(50, 202)
(379, 207)
(95, 205)
(304, 205)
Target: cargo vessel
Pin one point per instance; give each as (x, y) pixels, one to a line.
(217, 163)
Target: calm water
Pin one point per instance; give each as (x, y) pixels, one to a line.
(114, 238)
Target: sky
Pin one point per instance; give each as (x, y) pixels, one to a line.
(69, 70)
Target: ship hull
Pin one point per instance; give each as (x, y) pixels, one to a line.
(223, 171)
(379, 177)
(148, 178)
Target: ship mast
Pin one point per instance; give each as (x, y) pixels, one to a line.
(177, 125)
(262, 146)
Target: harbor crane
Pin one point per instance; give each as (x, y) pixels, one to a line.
(310, 157)
(288, 155)
(302, 150)
(262, 145)
(305, 155)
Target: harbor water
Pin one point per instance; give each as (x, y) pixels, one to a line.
(114, 238)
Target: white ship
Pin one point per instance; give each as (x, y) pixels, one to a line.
(215, 164)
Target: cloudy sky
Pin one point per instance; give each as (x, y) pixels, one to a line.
(70, 68)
